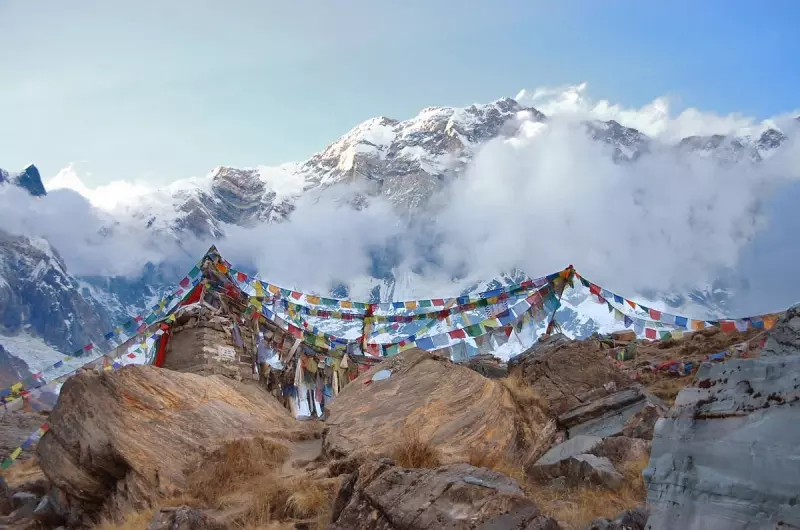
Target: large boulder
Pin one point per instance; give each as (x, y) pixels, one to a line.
(130, 436)
(589, 460)
(380, 496)
(453, 408)
(727, 456)
(569, 374)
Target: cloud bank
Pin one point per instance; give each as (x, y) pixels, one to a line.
(547, 198)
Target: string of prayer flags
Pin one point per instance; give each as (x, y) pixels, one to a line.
(664, 319)
(27, 444)
(113, 339)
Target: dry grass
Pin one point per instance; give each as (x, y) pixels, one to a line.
(132, 521)
(242, 483)
(413, 451)
(668, 388)
(577, 507)
(524, 394)
(23, 472)
(233, 464)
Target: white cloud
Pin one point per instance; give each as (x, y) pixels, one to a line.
(547, 198)
(106, 196)
(654, 119)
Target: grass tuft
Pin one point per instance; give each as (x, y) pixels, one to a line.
(415, 452)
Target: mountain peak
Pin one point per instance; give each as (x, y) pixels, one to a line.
(29, 179)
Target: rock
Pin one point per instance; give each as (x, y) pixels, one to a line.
(569, 374)
(48, 512)
(727, 456)
(599, 407)
(24, 498)
(635, 519)
(6, 505)
(642, 423)
(138, 431)
(383, 497)
(183, 518)
(574, 446)
(785, 338)
(455, 409)
(621, 449)
(579, 469)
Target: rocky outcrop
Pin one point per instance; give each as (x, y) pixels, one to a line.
(727, 456)
(29, 180)
(453, 408)
(588, 460)
(380, 496)
(569, 374)
(137, 432)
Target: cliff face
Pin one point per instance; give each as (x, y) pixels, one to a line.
(727, 456)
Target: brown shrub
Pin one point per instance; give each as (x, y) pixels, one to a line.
(227, 468)
(137, 520)
(413, 451)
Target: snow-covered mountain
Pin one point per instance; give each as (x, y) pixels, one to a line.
(404, 161)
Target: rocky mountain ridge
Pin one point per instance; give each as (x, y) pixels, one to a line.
(404, 161)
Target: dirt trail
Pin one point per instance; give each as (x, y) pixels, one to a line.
(300, 454)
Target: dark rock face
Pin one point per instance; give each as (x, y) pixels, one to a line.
(628, 143)
(29, 179)
(36, 291)
(380, 496)
(11, 368)
(727, 456)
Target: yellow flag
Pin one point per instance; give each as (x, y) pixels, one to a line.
(618, 315)
(313, 299)
(16, 453)
(677, 333)
(259, 288)
(346, 304)
(274, 289)
(16, 387)
(769, 321)
(411, 305)
(408, 346)
(491, 323)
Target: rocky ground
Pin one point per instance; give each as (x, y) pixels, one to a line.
(569, 439)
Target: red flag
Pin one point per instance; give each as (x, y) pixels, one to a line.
(457, 334)
(655, 315)
(295, 332)
(88, 347)
(242, 277)
(727, 325)
(296, 295)
(185, 282)
(650, 333)
(594, 289)
(438, 302)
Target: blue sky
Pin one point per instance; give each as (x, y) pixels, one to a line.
(159, 90)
